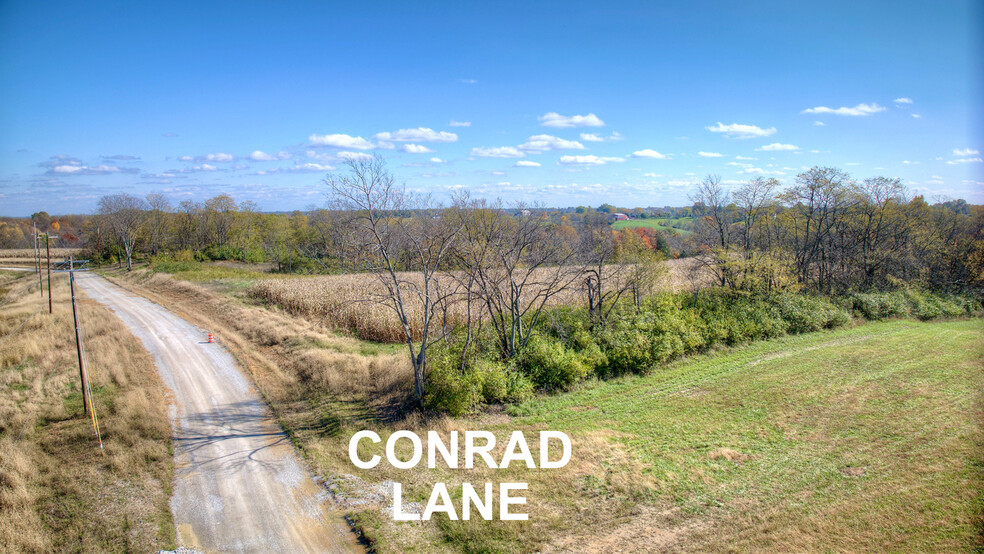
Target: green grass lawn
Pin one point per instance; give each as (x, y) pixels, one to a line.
(863, 439)
(866, 438)
(652, 223)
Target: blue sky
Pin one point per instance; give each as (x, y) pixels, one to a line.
(564, 103)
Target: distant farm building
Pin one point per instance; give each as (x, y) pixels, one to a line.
(621, 217)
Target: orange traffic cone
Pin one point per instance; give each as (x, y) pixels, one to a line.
(211, 338)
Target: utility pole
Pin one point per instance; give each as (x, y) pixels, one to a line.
(78, 337)
(47, 248)
(37, 260)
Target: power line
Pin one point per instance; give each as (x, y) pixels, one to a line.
(23, 323)
(11, 296)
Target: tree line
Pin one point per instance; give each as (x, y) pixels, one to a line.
(825, 233)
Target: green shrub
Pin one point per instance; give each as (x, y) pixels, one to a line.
(183, 260)
(501, 383)
(518, 387)
(592, 356)
(924, 306)
(449, 390)
(878, 306)
(494, 379)
(625, 342)
(550, 365)
(809, 313)
(565, 323)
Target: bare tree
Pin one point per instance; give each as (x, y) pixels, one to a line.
(221, 211)
(611, 268)
(817, 201)
(753, 200)
(157, 221)
(400, 231)
(712, 227)
(711, 211)
(125, 214)
(515, 265)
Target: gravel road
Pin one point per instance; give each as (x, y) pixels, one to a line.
(239, 484)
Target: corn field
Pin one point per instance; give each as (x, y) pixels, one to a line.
(25, 256)
(346, 302)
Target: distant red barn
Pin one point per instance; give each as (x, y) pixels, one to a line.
(621, 217)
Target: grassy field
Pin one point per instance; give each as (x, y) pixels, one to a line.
(58, 491)
(866, 438)
(678, 225)
(862, 439)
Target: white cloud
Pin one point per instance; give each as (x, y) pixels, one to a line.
(526, 163)
(934, 182)
(74, 169)
(436, 161)
(468, 81)
(340, 141)
(205, 167)
(649, 153)
(710, 154)
(652, 175)
(853, 163)
(460, 123)
(965, 152)
(355, 156)
(777, 146)
(740, 131)
(907, 162)
(261, 156)
(587, 160)
(554, 119)
(299, 168)
(416, 149)
(903, 100)
(219, 157)
(497, 152)
(320, 155)
(313, 167)
(936, 177)
(860, 109)
(591, 137)
(819, 123)
(760, 171)
(965, 161)
(917, 116)
(543, 143)
(420, 134)
(744, 158)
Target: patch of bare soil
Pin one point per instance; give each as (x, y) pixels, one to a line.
(651, 530)
(853, 471)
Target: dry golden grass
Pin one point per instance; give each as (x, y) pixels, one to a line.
(58, 491)
(342, 302)
(290, 358)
